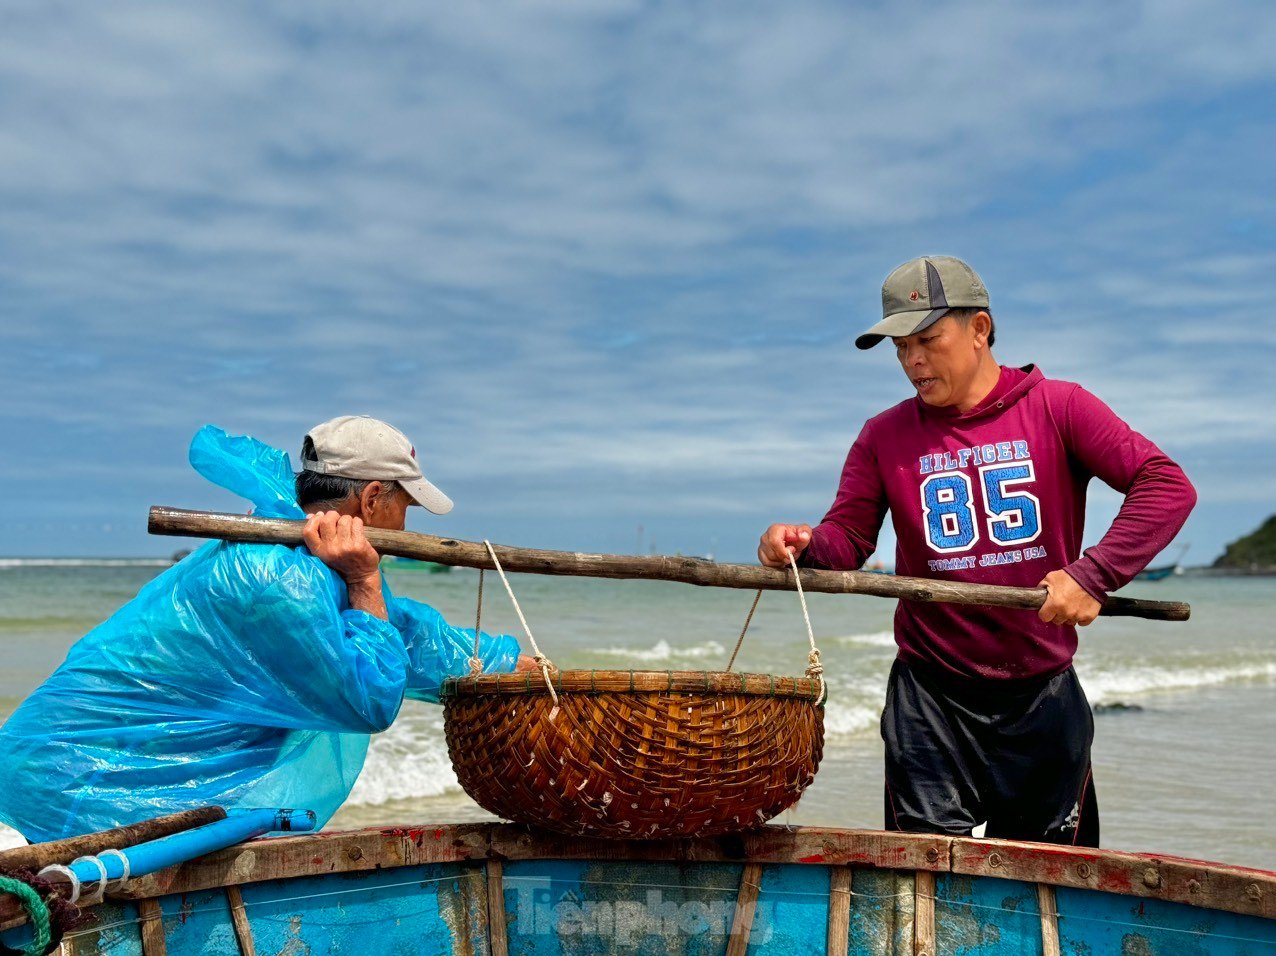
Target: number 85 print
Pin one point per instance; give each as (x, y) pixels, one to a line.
(1011, 515)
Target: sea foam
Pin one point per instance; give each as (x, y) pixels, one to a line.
(663, 651)
(410, 760)
(875, 639)
(1107, 686)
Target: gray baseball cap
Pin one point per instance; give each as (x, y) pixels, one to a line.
(356, 446)
(920, 292)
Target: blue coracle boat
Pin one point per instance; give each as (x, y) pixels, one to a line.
(508, 889)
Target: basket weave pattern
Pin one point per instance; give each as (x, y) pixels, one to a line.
(635, 755)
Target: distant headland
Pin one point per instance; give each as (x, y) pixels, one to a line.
(1253, 554)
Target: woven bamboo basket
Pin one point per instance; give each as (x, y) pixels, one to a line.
(634, 754)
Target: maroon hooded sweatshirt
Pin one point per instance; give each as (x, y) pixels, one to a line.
(996, 495)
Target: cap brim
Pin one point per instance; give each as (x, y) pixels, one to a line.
(427, 496)
(900, 324)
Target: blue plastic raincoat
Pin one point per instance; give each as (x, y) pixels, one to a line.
(239, 677)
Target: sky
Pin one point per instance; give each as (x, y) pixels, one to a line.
(605, 261)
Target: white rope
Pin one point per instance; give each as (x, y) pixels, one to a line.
(100, 893)
(125, 867)
(813, 666)
(67, 874)
(541, 659)
(476, 662)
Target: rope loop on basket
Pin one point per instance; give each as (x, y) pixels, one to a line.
(813, 667)
(744, 630)
(542, 661)
(476, 662)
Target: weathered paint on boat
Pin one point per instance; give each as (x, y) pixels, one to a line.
(501, 889)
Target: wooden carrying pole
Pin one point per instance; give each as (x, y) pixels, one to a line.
(472, 554)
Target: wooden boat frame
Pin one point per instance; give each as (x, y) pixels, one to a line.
(1195, 883)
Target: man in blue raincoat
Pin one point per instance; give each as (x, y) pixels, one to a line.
(247, 675)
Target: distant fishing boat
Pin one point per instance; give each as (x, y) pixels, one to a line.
(1161, 572)
(496, 889)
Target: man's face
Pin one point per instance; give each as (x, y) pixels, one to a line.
(941, 361)
(388, 511)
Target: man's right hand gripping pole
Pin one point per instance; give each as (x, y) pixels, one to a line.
(781, 540)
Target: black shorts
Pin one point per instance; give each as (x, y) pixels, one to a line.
(1014, 755)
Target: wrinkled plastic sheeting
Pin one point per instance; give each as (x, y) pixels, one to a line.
(239, 677)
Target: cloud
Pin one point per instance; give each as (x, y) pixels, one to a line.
(607, 258)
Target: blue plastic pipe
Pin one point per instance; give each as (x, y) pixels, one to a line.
(179, 848)
(238, 826)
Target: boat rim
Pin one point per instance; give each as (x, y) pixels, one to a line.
(1197, 883)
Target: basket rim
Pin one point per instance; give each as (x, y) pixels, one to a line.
(611, 682)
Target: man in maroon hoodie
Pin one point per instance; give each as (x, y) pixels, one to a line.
(984, 473)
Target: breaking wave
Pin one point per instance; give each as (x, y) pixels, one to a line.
(410, 760)
(850, 720)
(663, 651)
(1115, 686)
(875, 639)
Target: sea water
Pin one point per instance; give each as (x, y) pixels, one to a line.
(1185, 749)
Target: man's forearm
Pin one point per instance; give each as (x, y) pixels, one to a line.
(1154, 511)
(365, 595)
(835, 548)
